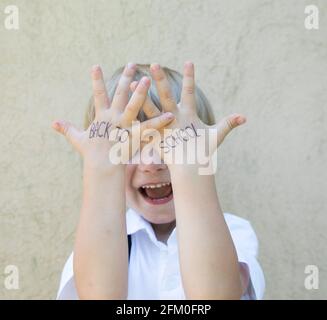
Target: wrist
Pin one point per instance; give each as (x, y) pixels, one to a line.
(185, 178)
(100, 167)
(102, 172)
(105, 184)
(180, 170)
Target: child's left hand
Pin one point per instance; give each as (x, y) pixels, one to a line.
(213, 272)
(187, 126)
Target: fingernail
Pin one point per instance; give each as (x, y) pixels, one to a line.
(155, 66)
(56, 124)
(131, 65)
(188, 64)
(169, 115)
(240, 120)
(96, 67)
(145, 80)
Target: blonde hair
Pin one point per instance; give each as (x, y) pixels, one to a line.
(204, 109)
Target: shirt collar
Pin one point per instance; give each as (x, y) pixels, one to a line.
(135, 222)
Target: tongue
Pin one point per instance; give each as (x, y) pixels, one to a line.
(158, 193)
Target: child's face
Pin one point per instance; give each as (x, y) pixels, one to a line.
(155, 204)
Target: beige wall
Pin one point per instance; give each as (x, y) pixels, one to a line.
(252, 56)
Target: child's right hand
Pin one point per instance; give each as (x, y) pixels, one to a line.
(112, 119)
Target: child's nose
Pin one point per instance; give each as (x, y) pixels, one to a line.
(151, 168)
(151, 162)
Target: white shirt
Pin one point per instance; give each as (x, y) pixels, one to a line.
(154, 266)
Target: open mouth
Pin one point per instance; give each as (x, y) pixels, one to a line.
(157, 193)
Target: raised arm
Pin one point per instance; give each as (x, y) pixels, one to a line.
(208, 259)
(100, 253)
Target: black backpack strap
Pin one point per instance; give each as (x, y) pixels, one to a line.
(129, 238)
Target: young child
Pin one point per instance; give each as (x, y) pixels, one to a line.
(182, 245)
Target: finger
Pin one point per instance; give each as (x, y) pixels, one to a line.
(120, 99)
(188, 88)
(227, 124)
(101, 99)
(157, 122)
(149, 107)
(133, 85)
(73, 135)
(165, 95)
(136, 101)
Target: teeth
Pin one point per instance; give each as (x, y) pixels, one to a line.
(153, 186)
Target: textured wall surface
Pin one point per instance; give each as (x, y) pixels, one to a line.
(253, 57)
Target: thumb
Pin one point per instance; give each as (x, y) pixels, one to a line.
(227, 124)
(72, 134)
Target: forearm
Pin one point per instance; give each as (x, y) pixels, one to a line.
(100, 253)
(208, 259)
